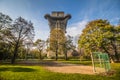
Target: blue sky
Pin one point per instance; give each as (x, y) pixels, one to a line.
(82, 11)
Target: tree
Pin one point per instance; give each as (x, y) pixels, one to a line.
(13, 35)
(57, 38)
(115, 40)
(68, 45)
(5, 51)
(40, 46)
(28, 45)
(5, 47)
(97, 36)
(21, 31)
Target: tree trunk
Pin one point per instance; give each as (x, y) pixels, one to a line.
(66, 56)
(40, 56)
(93, 63)
(56, 58)
(56, 52)
(111, 58)
(14, 54)
(115, 50)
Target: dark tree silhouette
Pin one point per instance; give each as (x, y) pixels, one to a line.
(21, 31)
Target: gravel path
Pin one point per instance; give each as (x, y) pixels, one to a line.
(64, 67)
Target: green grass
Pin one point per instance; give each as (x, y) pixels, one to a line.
(20, 72)
(77, 62)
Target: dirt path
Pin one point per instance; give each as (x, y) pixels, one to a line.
(65, 67)
(72, 68)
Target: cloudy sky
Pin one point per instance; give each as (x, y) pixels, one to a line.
(82, 11)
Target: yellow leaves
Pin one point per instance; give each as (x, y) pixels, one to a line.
(57, 38)
(57, 35)
(94, 34)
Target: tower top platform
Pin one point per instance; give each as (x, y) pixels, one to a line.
(57, 15)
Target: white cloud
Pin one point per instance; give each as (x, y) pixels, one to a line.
(76, 28)
(41, 29)
(115, 21)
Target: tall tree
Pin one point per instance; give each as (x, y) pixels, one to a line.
(97, 36)
(57, 38)
(5, 23)
(115, 40)
(21, 31)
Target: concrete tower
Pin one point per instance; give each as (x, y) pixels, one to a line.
(57, 21)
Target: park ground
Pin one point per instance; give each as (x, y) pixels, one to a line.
(55, 70)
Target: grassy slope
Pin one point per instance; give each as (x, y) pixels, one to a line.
(19, 72)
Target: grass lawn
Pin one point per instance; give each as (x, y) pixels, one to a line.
(21, 72)
(85, 62)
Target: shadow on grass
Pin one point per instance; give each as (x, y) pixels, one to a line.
(17, 69)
